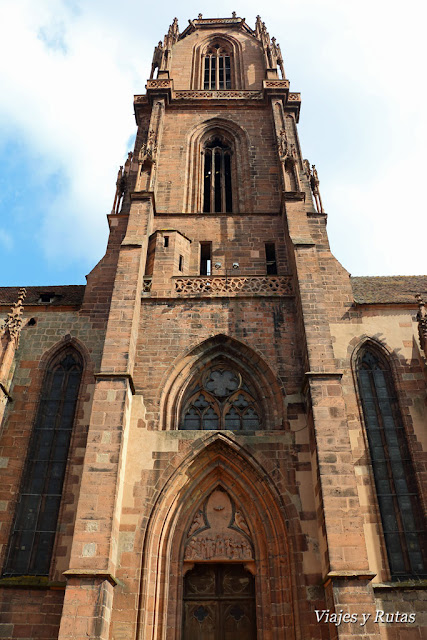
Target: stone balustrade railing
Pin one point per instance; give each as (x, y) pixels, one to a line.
(232, 285)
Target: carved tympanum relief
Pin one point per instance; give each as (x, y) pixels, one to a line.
(219, 532)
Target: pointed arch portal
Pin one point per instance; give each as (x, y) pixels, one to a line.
(217, 552)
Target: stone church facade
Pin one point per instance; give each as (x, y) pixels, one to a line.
(222, 435)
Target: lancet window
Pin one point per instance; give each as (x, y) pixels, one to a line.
(220, 398)
(395, 482)
(217, 68)
(37, 511)
(217, 195)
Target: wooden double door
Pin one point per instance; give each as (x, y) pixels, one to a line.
(219, 603)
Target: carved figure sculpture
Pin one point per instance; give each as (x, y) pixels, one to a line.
(313, 179)
(216, 534)
(422, 323)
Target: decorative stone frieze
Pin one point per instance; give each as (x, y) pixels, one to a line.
(159, 84)
(218, 95)
(274, 84)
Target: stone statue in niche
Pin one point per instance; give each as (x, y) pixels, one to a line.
(147, 162)
(148, 150)
(282, 143)
(289, 159)
(218, 532)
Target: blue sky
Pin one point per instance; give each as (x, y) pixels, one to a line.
(68, 72)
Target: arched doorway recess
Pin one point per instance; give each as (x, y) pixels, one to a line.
(181, 535)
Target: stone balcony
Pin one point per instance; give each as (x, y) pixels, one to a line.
(222, 286)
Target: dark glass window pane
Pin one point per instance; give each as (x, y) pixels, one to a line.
(49, 514)
(221, 72)
(232, 420)
(227, 73)
(210, 419)
(250, 420)
(36, 477)
(400, 510)
(213, 72)
(206, 77)
(20, 551)
(43, 545)
(28, 512)
(192, 420)
(37, 511)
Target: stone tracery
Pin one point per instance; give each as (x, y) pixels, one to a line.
(221, 399)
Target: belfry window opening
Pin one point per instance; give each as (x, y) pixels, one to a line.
(217, 197)
(217, 68)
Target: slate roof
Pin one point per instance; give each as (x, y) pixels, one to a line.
(388, 289)
(63, 295)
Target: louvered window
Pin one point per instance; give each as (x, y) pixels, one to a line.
(217, 196)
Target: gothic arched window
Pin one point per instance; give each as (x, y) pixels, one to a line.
(217, 68)
(221, 399)
(217, 196)
(37, 511)
(395, 482)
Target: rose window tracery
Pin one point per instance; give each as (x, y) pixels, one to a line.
(221, 399)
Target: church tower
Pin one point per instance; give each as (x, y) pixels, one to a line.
(241, 454)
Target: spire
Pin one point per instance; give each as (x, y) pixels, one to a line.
(162, 53)
(272, 54)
